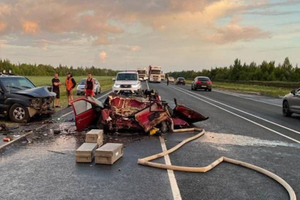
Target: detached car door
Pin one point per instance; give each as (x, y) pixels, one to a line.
(84, 113)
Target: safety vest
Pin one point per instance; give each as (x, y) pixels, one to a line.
(69, 83)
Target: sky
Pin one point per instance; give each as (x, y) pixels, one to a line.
(129, 34)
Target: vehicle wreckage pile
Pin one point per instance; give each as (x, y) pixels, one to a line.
(146, 112)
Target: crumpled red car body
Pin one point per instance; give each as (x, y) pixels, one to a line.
(137, 113)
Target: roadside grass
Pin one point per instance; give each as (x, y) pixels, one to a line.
(251, 88)
(105, 82)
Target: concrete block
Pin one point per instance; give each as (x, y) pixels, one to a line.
(93, 136)
(85, 153)
(108, 153)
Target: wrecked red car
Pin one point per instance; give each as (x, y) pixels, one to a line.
(138, 113)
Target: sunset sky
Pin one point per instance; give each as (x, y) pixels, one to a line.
(126, 34)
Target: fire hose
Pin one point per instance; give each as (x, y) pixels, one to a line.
(146, 161)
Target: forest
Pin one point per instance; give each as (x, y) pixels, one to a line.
(48, 70)
(266, 71)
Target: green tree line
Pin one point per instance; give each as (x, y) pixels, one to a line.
(48, 70)
(266, 71)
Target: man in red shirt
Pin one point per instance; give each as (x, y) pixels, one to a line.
(89, 86)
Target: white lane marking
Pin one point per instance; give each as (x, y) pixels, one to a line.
(276, 124)
(171, 175)
(172, 179)
(147, 85)
(97, 98)
(236, 95)
(253, 122)
(272, 104)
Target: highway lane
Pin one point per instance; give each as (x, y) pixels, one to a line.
(32, 172)
(235, 133)
(263, 113)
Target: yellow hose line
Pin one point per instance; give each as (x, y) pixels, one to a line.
(146, 161)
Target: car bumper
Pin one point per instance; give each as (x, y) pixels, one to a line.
(203, 86)
(125, 90)
(33, 111)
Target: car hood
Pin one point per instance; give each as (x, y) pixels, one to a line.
(36, 92)
(126, 82)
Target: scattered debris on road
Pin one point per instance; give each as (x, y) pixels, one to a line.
(3, 127)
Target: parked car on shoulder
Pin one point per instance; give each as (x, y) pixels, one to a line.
(127, 82)
(171, 79)
(180, 80)
(20, 99)
(201, 82)
(81, 87)
(291, 103)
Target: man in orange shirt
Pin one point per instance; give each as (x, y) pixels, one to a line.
(70, 84)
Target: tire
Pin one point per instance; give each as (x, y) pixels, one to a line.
(19, 113)
(209, 90)
(286, 109)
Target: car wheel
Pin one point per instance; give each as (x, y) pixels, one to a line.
(19, 113)
(286, 109)
(209, 90)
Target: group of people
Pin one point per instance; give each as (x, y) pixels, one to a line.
(70, 84)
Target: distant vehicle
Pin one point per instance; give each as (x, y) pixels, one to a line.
(291, 103)
(127, 82)
(201, 82)
(155, 74)
(180, 80)
(162, 75)
(81, 87)
(171, 79)
(20, 99)
(142, 74)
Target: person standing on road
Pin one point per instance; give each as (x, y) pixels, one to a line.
(89, 86)
(167, 79)
(70, 84)
(55, 88)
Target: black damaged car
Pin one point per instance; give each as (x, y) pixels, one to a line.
(20, 99)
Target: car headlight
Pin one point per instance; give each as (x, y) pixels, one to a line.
(116, 85)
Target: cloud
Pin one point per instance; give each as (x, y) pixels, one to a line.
(102, 56)
(234, 32)
(30, 27)
(134, 48)
(2, 26)
(101, 40)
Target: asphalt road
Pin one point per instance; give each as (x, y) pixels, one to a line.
(245, 127)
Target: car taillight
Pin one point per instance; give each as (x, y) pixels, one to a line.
(198, 82)
(209, 82)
